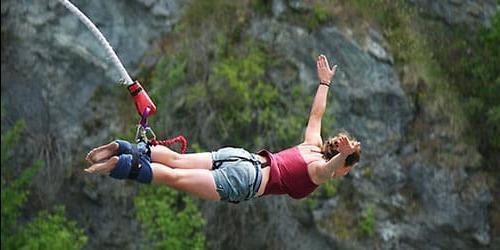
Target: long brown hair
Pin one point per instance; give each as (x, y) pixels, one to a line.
(329, 149)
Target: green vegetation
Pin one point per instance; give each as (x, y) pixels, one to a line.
(51, 230)
(235, 98)
(472, 63)
(318, 16)
(223, 87)
(367, 222)
(225, 91)
(325, 191)
(449, 60)
(48, 230)
(318, 13)
(395, 19)
(170, 219)
(341, 223)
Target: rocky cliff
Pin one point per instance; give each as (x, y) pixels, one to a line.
(418, 183)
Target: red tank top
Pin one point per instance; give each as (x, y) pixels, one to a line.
(288, 174)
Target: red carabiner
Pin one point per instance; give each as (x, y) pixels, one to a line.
(141, 99)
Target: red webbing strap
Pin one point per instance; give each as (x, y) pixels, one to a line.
(179, 139)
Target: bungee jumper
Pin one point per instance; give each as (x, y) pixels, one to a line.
(234, 174)
(228, 174)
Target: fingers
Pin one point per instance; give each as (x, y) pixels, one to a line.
(325, 62)
(322, 62)
(343, 141)
(344, 145)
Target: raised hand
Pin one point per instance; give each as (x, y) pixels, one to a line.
(325, 74)
(345, 147)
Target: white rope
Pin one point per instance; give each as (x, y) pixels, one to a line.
(100, 37)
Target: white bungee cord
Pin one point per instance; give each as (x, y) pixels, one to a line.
(102, 40)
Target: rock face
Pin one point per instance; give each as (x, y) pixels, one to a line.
(366, 98)
(53, 70)
(473, 13)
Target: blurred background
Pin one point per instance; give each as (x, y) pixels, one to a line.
(418, 84)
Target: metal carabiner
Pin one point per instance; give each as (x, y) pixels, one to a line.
(140, 134)
(150, 130)
(143, 128)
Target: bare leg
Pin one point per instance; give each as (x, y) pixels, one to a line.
(103, 152)
(198, 182)
(173, 159)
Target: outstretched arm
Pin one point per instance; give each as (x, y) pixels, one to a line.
(325, 75)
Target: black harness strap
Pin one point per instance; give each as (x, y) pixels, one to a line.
(216, 164)
(136, 166)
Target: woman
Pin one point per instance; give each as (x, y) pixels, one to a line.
(233, 174)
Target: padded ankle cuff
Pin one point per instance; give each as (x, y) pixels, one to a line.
(145, 174)
(124, 147)
(125, 169)
(122, 168)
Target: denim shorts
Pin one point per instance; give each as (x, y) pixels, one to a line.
(237, 174)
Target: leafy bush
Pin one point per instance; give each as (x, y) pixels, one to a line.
(235, 100)
(482, 88)
(51, 231)
(319, 16)
(324, 191)
(46, 230)
(367, 222)
(170, 219)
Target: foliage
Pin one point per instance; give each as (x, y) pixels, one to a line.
(224, 91)
(46, 230)
(205, 19)
(319, 16)
(264, 7)
(14, 194)
(325, 191)
(9, 138)
(170, 219)
(247, 104)
(367, 222)
(478, 81)
(51, 231)
(316, 14)
(235, 98)
(396, 20)
(449, 58)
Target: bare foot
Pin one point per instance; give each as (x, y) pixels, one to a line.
(103, 152)
(103, 167)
